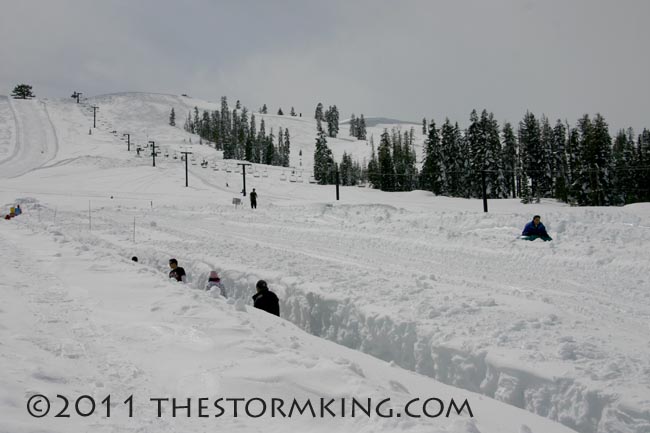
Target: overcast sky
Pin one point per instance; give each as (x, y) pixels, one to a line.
(405, 59)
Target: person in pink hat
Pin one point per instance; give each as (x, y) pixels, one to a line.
(214, 282)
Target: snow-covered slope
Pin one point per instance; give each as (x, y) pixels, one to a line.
(429, 283)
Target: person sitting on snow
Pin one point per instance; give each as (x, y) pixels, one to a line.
(534, 230)
(214, 282)
(18, 210)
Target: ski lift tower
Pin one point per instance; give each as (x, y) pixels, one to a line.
(243, 173)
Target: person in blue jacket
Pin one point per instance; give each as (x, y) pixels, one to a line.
(535, 230)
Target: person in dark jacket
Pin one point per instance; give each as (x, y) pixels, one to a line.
(253, 196)
(534, 230)
(177, 273)
(265, 299)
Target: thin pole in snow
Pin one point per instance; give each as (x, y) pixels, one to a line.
(338, 181)
(243, 173)
(95, 108)
(186, 153)
(153, 151)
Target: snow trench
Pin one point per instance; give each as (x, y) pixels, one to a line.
(564, 400)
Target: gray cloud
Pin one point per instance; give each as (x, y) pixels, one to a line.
(405, 59)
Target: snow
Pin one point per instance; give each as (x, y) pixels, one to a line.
(442, 292)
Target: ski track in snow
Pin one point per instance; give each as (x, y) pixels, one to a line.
(558, 329)
(36, 141)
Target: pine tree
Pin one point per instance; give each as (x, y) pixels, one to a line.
(374, 177)
(269, 151)
(260, 143)
(642, 166)
(476, 145)
(492, 164)
(509, 158)
(249, 154)
(293, 112)
(353, 126)
(345, 168)
(385, 164)
(189, 126)
(530, 150)
(22, 91)
(464, 164)
(215, 127)
(623, 159)
(399, 166)
(546, 160)
(243, 134)
(238, 105)
(332, 119)
(424, 126)
(196, 122)
(287, 149)
(602, 152)
(361, 128)
(265, 110)
(280, 113)
(561, 179)
(172, 117)
(580, 185)
(432, 177)
(323, 160)
(319, 112)
(226, 133)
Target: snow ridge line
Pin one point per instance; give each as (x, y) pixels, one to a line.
(565, 400)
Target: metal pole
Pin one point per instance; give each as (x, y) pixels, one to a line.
(95, 108)
(338, 180)
(128, 142)
(243, 172)
(186, 153)
(153, 151)
(485, 206)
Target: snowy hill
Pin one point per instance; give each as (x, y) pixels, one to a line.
(429, 284)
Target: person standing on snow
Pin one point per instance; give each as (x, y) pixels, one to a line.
(265, 299)
(534, 230)
(177, 272)
(253, 195)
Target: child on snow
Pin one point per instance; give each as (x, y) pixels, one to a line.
(214, 282)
